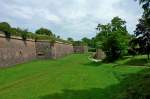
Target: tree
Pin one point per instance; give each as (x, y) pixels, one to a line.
(78, 43)
(86, 41)
(58, 37)
(70, 39)
(133, 46)
(142, 31)
(118, 24)
(113, 47)
(6, 28)
(103, 33)
(146, 6)
(93, 43)
(113, 38)
(44, 31)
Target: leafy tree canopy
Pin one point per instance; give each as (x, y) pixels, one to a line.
(70, 39)
(113, 38)
(142, 31)
(44, 31)
(6, 28)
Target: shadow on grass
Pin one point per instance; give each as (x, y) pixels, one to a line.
(137, 62)
(94, 93)
(126, 57)
(93, 64)
(128, 88)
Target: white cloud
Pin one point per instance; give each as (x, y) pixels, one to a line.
(53, 18)
(47, 15)
(74, 18)
(22, 12)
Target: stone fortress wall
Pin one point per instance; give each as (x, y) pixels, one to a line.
(15, 51)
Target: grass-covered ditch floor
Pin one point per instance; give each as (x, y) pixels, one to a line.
(72, 77)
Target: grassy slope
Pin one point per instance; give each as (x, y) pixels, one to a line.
(72, 77)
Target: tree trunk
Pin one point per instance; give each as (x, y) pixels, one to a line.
(148, 55)
(147, 51)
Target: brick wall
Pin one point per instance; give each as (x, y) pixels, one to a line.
(43, 49)
(60, 50)
(80, 49)
(14, 51)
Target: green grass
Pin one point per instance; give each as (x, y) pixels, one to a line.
(72, 77)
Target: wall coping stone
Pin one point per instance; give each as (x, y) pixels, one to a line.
(58, 42)
(62, 43)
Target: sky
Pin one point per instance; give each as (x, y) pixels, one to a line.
(68, 18)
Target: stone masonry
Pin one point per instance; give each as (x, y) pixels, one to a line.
(15, 51)
(80, 49)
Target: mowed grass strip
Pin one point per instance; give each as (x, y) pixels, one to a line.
(42, 79)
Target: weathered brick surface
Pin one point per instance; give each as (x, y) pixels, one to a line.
(46, 50)
(43, 49)
(14, 51)
(80, 49)
(61, 50)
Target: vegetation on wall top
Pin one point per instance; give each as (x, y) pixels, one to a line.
(40, 34)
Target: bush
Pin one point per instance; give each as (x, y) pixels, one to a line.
(31, 35)
(15, 32)
(24, 34)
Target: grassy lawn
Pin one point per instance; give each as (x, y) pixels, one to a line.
(72, 77)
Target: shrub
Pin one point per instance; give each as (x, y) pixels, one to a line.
(15, 32)
(31, 35)
(23, 33)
